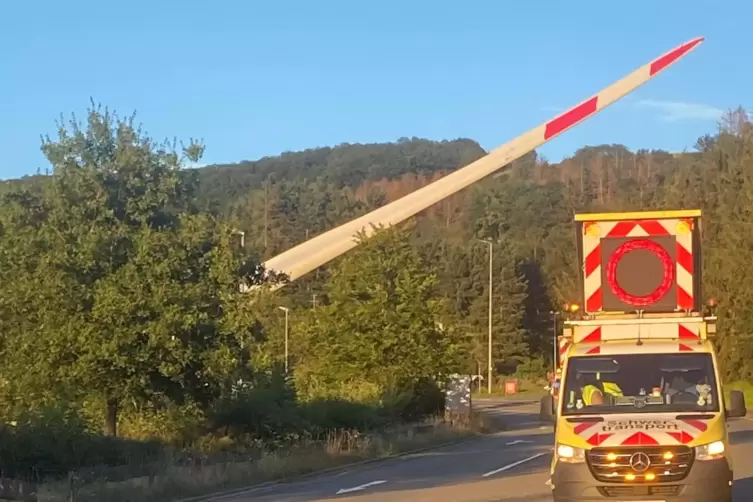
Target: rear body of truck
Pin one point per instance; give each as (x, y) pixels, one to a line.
(642, 345)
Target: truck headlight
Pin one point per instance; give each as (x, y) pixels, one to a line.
(711, 451)
(570, 454)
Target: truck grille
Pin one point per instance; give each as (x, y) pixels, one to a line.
(666, 464)
(639, 490)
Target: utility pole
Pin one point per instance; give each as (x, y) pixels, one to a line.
(491, 307)
(555, 350)
(266, 213)
(287, 311)
(313, 300)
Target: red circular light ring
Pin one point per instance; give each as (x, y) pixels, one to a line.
(660, 291)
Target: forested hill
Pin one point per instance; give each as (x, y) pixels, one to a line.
(346, 165)
(343, 166)
(527, 209)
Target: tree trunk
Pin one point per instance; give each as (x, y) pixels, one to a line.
(111, 422)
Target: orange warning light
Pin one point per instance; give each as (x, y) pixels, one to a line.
(572, 307)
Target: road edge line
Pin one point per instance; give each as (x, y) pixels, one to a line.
(514, 464)
(361, 487)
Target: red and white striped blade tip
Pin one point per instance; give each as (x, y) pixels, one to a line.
(670, 57)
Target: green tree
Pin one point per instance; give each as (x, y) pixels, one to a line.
(465, 286)
(116, 287)
(383, 326)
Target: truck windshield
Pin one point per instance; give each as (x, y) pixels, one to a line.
(630, 383)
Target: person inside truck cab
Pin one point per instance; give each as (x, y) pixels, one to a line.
(594, 389)
(683, 382)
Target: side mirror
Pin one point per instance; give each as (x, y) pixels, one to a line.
(547, 413)
(737, 407)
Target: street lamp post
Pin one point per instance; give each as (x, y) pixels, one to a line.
(242, 287)
(287, 311)
(491, 305)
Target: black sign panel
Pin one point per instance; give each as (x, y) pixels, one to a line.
(639, 273)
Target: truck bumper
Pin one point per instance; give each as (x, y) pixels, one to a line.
(707, 481)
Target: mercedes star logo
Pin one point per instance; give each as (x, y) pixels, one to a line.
(640, 462)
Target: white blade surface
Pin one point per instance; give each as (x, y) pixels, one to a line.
(327, 246)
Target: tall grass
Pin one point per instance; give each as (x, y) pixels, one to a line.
(172, 480)
(257, 433)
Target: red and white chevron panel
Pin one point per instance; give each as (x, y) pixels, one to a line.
(611, 349)
(687, 330)
(682, 336)
(563, 345)
(649, 430)
(595, 231)
(589, 339)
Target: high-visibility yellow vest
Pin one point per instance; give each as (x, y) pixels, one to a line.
(609, 388)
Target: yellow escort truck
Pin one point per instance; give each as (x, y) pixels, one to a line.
(640, 414)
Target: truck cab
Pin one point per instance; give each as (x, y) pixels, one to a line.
(640, 413)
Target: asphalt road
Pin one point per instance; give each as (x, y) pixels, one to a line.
(511, 467)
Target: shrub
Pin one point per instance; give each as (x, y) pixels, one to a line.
(178, 426)
(532, 369)
(257, 418)
(267, 408)
(324, 415)
(413, 401)
(55, 440)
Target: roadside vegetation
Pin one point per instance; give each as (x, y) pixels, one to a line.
(168, 474)
(745, 386)
(132, 366)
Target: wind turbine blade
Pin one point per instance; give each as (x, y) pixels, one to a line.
(327, 246)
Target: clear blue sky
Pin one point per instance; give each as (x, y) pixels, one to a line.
(257, 78)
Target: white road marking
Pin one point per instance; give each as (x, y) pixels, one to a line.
(514, 464)
(518, 441)
(360, 487)
(425, 454)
